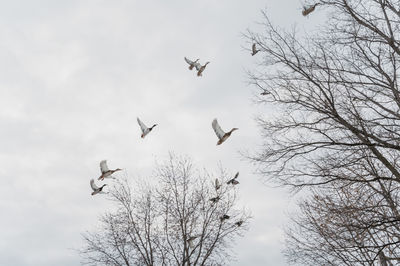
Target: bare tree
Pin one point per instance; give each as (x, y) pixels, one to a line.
(349, 225)
(336, 130)
(184, 219)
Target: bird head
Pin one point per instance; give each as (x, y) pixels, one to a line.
(206, 63)
(196, 60)
(233, 129)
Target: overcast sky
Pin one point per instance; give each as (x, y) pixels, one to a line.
(75, 75)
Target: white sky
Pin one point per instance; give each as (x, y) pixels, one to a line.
(74, 75)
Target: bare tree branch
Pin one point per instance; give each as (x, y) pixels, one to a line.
(171, 223)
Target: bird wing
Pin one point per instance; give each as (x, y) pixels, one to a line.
(188, 61)
(142, 125)
(236, 176)
(103, 166)
(197, 66)
(217, 184)
(93, 185)
(218, 131)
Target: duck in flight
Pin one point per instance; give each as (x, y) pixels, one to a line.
(193, 64)
(224, 217)
(201, 68)
(145, 130)
(233, 181)
(308, 10)
(215, 199)
(217, 184)
(254, 50)
(222, 136)
(95, 188)
(239, 223)
(105, 172)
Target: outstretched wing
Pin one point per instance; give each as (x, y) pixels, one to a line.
(217, 184)
(236, 176)
(218, 131)
(93, 185)
(103, 166)
(142, 125)
(197, 66)
(188, 61)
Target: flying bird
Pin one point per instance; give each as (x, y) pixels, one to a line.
(233, 181)
(308, 10)
(201, 69)
(239, 223)
(254, 50)
(217, 184)
(95, 188)
(215, 199)
(105, 172)
(145, 130)
(193, 64)
(222, 136)
(190, 241)
(224, 217)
